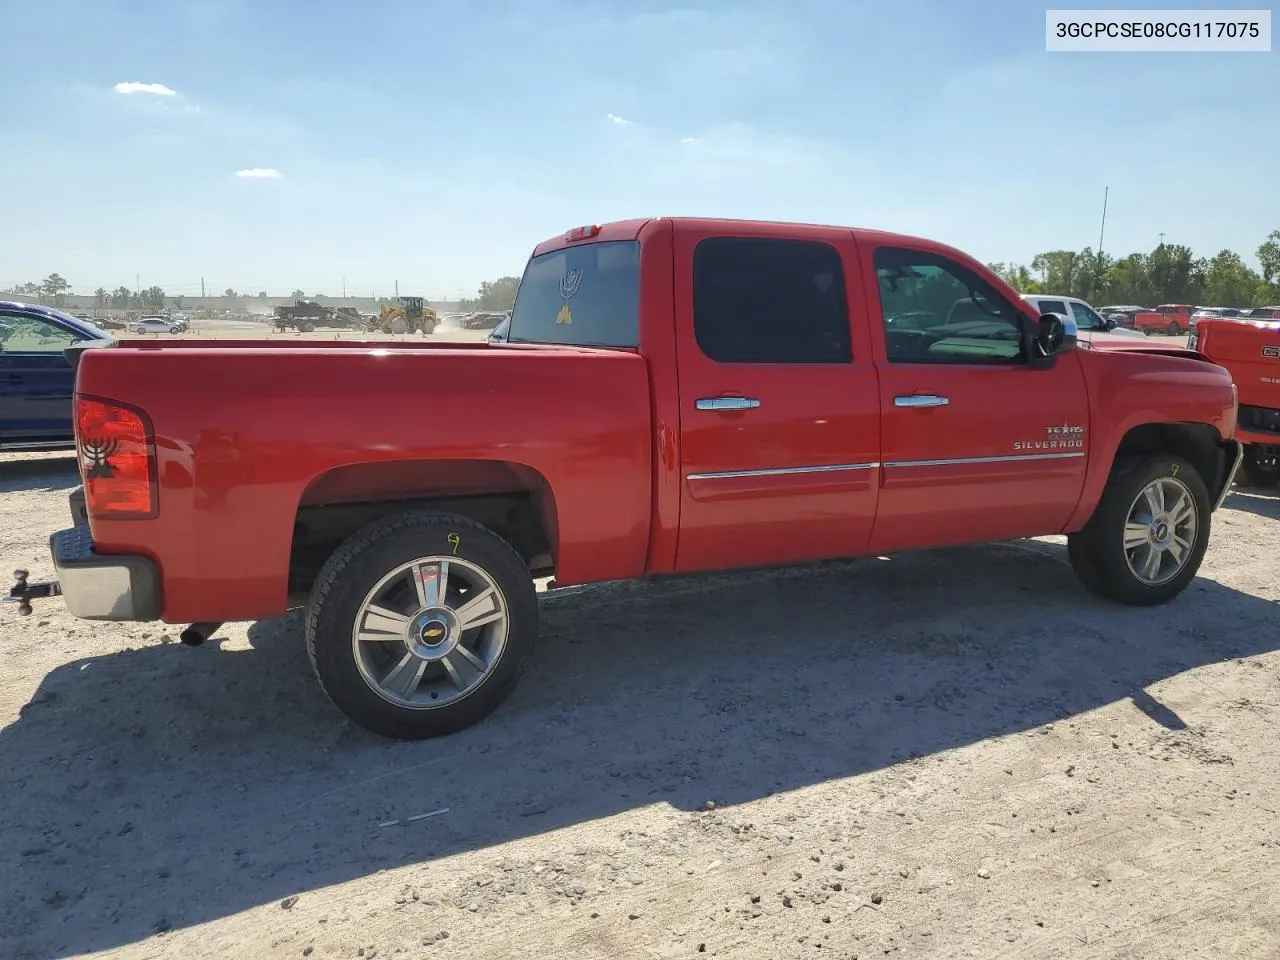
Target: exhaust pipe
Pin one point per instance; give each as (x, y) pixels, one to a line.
(198, 633)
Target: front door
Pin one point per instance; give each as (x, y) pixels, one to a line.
(779, 412)
(977, 445)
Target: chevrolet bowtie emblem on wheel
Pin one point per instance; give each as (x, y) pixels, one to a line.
(432, 633)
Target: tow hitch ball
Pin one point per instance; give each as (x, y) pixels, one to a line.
(23, 591)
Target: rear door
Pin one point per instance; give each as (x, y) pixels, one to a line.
(779, 411)
(36, 381)
(976, 444)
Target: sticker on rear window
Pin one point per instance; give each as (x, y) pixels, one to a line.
(569, 285)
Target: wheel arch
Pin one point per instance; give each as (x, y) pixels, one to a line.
(512, 499)
(1215, 459)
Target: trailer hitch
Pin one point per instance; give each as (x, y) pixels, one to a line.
(23, 591)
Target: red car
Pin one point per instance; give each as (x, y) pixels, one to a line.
(675, 396)
(1171, 319)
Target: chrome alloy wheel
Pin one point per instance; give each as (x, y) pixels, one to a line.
(430, 632)
(1160, 531)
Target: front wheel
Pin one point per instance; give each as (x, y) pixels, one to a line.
(1260, 466)
(1148, 535)
(421, 625)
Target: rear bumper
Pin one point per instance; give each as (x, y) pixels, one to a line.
(102, 587)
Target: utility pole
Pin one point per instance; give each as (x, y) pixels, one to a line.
(344, 288)
(202, 288)
(1162, 239)
(1102, 232)
(397, 289)
(137, 283)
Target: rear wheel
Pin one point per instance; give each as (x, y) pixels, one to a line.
(1260, 466)
(421, 625)
(1175, 329)
(1147, 538)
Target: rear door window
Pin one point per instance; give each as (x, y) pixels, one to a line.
(1053, 306)
(587, 296)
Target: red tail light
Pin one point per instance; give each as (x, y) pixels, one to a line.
(582, 233)
(117, 460)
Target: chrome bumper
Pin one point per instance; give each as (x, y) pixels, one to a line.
(102, 587)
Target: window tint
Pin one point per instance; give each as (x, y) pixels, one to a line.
(587, 295)
(760, 300)
(938, 311)
(1052, 306)
(23, 334)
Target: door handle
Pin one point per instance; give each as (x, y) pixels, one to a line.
(727, 403)
(921, 400)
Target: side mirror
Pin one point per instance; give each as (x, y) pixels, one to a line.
(1054, 333)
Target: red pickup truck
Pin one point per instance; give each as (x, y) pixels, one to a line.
(675, 396)
(1171, 319)
(1250, 350)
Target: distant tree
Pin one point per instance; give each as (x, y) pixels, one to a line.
(1176, 275)
(100, 298)
(298, 295)
(262, 294)
(494, 295)
(120, 298)
(230, 293)
(176, 302)
(152, 298)
(54, 285)
(1229, 282)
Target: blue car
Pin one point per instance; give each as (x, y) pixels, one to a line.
(36, 376)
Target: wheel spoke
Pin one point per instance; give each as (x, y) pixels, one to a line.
(1151, 565)
(1179, 547)
(470, 657)
(479, 610)
(1135, 535)
(462, 671)
(430, 581)
(404, 677)
(382, 625)
(1182, 511)
(1155, 498)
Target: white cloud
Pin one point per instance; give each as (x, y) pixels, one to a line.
(620, 121)
(688, 139)
(155, 89)
(260, 173)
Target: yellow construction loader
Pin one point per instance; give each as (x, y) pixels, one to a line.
(407, 315)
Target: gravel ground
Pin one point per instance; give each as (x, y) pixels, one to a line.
(944, 754)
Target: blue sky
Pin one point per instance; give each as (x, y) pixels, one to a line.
(435, 142)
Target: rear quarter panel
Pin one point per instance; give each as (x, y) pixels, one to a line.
(241, 434)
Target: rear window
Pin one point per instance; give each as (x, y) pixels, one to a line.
(587, 296)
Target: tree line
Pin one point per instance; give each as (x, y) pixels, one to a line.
(1171, 273)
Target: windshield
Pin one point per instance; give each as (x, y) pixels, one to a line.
(587, 296)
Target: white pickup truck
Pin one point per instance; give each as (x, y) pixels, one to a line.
(1088, 320)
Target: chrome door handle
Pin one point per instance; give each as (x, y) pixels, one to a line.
(727, 403)
(920, 400)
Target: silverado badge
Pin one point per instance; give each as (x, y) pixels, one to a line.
(1064, 436)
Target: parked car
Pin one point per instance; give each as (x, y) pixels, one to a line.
(36, 378)
(499, 334)
(692, 395)
(1250, 349)
(1122, 314)
(1088, 321)
(1260, 313)
(1201, 312)
(154, 324)
(483, 321)
(1170, 319)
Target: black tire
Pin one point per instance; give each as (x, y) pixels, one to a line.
(365, 559)
(1259, 468)
(1175, 330)
(1097, 552)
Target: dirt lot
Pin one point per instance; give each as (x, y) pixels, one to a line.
(949, 754)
